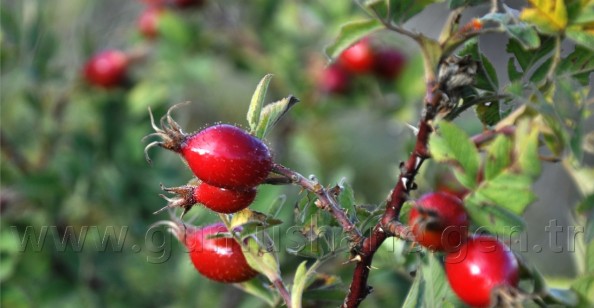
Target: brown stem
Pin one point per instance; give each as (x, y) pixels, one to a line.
(326, 201)
(486, 136)
(282, 290)
(359, 288)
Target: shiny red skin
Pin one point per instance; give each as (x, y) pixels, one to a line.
(228, 157)
(439, 221)
(482, 264)
(219, 259)
(223, 200)
(358, 58)
(106, 69)
(334, 80)
(148, 22)
(388, 63)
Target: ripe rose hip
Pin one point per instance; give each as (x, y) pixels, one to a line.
(388, 63)
(334, 80)
(226, 156)
(439, 221)
(482, 265)
(223, 200)
(106, 69)
(220, 259)
(218, 199)
(148, 23)
(358, 58)
(221, 155)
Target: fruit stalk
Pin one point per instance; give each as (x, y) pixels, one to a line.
(282, 290)
(359, 289)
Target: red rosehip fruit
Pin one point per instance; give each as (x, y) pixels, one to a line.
(220, 259)
(226, 156)
(107, 68)
(148, 23)
(358, 58)
(439, 221)
(222, 155)
(334, 79)
(222, 200)
(482, 265)
(388, 63)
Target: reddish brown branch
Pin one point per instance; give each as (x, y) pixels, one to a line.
(326, 201)
(409, 169)
(489, 135)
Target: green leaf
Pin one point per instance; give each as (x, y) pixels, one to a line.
(584, 286)
(351, 33)
(414, 299)
(586, 205)
(454, 4)
(303, 278)
(579, 65)
(452, 144)
(252, 222)
(498, 156)
(299, 284)
(488, 113)
(437, 289)
(173, 29)
(526, 149)
(492, 217)
(550, 18)
(261, 260)
(523, 33)
(256, 288)
(510, 191)
(144, 94)
(277, 205)
(486, 78)
(526, 59)
(346, 199)
(253, 115)
(580, 12)
(430, 287)
(403, 10)
(272, 113)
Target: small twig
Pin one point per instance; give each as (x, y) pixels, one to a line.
(486, 136)
(397, 229)
(327, 201)
(275, 180)
(282, 290)
(389, 25)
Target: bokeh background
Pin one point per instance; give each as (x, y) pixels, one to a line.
(72, 156)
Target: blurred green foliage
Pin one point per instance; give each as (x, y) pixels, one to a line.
(73, 162)
(75, 179)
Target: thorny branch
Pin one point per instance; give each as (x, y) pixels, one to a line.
(408, 170)
(326, 199)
